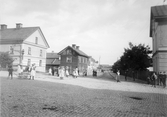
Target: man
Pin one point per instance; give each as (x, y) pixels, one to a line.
(154, 78)
(10, 70)
(164, 79)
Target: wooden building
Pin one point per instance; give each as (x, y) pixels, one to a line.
(73, 57)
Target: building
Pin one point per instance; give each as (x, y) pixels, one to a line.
(73, 57)
(158, 32)
(52, 60)
(26, 45)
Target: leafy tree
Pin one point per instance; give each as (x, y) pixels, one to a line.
(116, 66)
(135, 58)
(5, 59)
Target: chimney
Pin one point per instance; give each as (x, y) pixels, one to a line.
(77, 47)
(73, 45)
(19, 25)
(3, 26)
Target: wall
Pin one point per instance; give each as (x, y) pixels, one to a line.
(31, 38)
(160, 47)
(71, 65)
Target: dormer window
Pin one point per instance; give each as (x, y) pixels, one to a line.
(36, 40)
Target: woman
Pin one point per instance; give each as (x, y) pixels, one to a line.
(50, 71)
(118, 76)
(62, 72)
(76, 72)
(67, 73)
(19, 70)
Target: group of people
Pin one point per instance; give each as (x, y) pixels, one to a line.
(30, 69)
(157, 79)
(63, 72)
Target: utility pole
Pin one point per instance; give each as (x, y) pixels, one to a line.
(99, 59)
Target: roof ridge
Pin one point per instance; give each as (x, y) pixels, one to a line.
(19, 28)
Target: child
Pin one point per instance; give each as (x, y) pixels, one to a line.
(10, 70)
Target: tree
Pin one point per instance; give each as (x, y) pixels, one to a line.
(5, 59)
(116, 66)
(135, 58)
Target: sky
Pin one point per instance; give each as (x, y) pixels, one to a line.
(102, 28)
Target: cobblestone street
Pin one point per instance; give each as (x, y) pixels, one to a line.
(47, 96)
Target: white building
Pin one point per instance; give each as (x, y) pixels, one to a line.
(158, 32)
(27, 45)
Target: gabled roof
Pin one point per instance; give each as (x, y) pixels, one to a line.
(157, 13)
(81, 53)
(52, 55)
(52, 62)
(17, 35)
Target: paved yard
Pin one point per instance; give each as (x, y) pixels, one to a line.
(49, 96)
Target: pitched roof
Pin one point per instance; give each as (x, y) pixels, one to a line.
(17, 35)
(52, 55)
(76, 50)
(159, 13)
(52, 62)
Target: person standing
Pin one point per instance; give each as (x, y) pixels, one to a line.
(76, 72)
(61, 74)
(10, 70)
(19, 70)
(160, 77)
(154, 78)
(53, 71)
(67, 73)
(164, 79)
(50, 71)
(33, 71)
(118, 76)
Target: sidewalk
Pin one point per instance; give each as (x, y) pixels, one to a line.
(94, 83)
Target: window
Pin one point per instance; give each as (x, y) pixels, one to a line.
(29, 50)
(40, 53)
(69, 59)
(11, 50)
(40, 62)
(69, 52)
(36, 40)
(79, 59)
(29, 62)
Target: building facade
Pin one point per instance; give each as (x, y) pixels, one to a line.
(158, 32)
(73, 57)
(52, 60)
(26, 45)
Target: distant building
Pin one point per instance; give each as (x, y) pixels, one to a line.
(52, 60)
(26, 45)
(105, 67)
(158, 32)
(93, 64)
(73, 57)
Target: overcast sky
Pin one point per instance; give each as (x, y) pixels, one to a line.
(102, 28)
